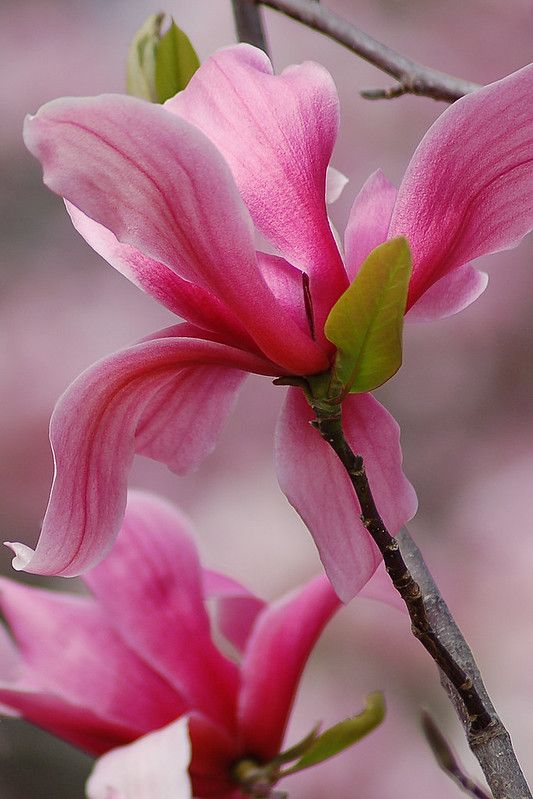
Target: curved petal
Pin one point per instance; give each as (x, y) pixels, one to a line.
(277, 133)
(369, 220)
(214, 753)
(161, 187)
(82, 726)
(449, 295)
(281, 642)
(153, 766)
(236, 607)
(150, 587)
(289, 286)
(468, 190)
(335, 184)
(183, 298)
(70, 650)
(315, 483)
(167, 398)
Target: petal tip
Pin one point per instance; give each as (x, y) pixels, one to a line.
(23, 555)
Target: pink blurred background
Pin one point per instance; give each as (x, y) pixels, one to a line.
(464, 397)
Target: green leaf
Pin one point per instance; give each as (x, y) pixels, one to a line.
(366, 322)
(176, 63)
(342, 735)
(159, 64)
(140, 70)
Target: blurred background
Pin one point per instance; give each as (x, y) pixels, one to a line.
(464, 396)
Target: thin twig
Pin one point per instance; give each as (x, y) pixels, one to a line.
(432, 624)
(249, 23)
(413, 78)
(493, 748)
(447, 760)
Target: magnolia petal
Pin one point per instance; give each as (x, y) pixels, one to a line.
(155, 765)
(159, 185)
(150, 587)
(286, 283)
(11, 662)
(277, 133)
(468, 190)
(281, 642)
(316, 484)
(73, 652)
(449, 295)
(335, 184)
(214, 753)
(168, 398)
(182, 297)
(369, 220)
(236, 607)
(82, 726)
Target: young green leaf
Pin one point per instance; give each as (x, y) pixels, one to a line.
(342, 735)
(159, 64)
(140, 69)
(176, 63)
(366, 322)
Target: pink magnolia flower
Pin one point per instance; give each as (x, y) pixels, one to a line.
(172, 196)
(104, 670)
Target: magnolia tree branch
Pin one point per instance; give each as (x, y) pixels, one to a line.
(412, 78)
(433, 625)
(248, 23)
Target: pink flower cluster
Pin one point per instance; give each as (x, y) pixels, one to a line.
(215, 204)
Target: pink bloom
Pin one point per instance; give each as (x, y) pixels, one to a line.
(104, 670)
(171, 195)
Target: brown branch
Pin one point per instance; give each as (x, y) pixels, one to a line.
(492, 747)
(432, 624)
(249, 23)
(413, 78)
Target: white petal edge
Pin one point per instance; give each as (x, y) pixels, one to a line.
(152, 767)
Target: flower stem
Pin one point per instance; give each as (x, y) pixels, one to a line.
(431, 624)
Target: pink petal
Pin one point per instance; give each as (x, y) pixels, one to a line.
(335, 184)
(281, 642)
(84, 727)
(71, 651)
(286, 283)
(183, 298)
(214, 753)
(167, 398)
(468, 190)
(159, 185)
(277, 134)
(150, 587)
(236, 607)
(316, 484)
(153, 767)
(369, 220)
(10, 659)
(449, 295)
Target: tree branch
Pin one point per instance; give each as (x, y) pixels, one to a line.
(433, 625)
(248, 23)
(413, 78)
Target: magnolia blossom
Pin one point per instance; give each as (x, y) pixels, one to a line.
(136, 662)
(176, 198)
